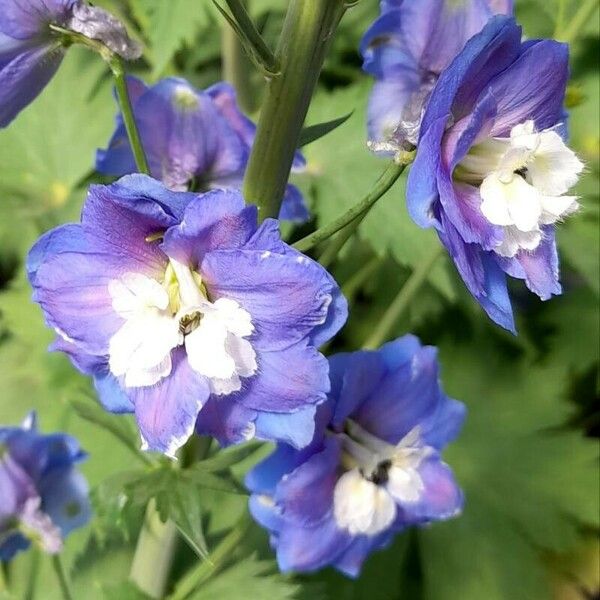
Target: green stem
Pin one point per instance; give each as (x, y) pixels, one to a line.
(116, 66)
(215, 562)
(402, 301)
(63, 580)
(560, 18)
(581, 17)
(236, 69)
(339, 241)
(244, 27)
(34, 571)
(355, 283)
(307, 33)
(154, 554)
(3, 582)
(356, 213)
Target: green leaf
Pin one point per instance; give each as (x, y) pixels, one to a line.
(341, 170)
(185, 512)
(314, 132)
(249, 578)
(118, 426)
(50, 147)
(172, 23)
(224, 459)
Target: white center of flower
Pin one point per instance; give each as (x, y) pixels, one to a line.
(162, 316)
(523, 181)
(380, 476)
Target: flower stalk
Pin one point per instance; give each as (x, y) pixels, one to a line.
(307, 33)
(402, 301)
(353, 217)
(63, 580)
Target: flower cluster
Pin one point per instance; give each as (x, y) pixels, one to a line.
(193, 140)
(374, 467)
(188, 313)
(492, 170)
(406, 49)
(43, 496)
(34, 35)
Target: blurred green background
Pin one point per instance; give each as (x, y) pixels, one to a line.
(528, 456)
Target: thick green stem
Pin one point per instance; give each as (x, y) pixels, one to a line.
(356, 213)
(34, 572)
(402, 301)
(215, 561)
(307, 33)
(585, 11)
(236, 68)
(61, 576)
(116, 66)
(154, 554)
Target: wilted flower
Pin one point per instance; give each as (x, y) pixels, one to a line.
(193, 140)
(492, 170)
(169, 298)
(34, 35)
(374, 467)
(406, 49)
(42, 495)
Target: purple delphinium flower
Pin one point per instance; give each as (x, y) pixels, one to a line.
(31, 50)
(406, 49)
(374, 467)
(186, 312)
(42, 495)
(193, 140)
(492, 171)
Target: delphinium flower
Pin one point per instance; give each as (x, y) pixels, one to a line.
(373, 468)
(43, 497)
(184, 310)
(492, 171)
(34, 35)
(193, 140)
(406, 49)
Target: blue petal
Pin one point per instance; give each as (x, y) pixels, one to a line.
(226, 420)
(166, 412)
(296, 429)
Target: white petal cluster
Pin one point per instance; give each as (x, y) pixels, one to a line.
(159, 317)
(524, 182)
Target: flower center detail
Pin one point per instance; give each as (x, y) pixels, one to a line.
(160, 317)
(522, 181)
(379, 476)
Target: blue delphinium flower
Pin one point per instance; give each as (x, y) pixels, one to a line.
(194, 140)
(492, 171)
(184, 309)
(374, 467)
(31, 50)
(42, 495)
(406, 49)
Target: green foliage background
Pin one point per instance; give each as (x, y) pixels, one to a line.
(528, 457)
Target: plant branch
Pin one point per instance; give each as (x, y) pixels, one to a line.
(582, 16)
(215, 561)
(357, 212)
(62, 578)
(118, 71)
(402, 301)
(307, 33)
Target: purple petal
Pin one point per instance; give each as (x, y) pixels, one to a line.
(226, 420)
(24, 77)
(293, 207)
(287, 380)
(287, 296)
(166, 412)
(216, 220)
(532, 88)
(482, 275)
(406, 396)
(441, 498)
(23, 20)
(296, 429)
(444, 425)
(306, 494)
(65, 499)
(310, 548)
